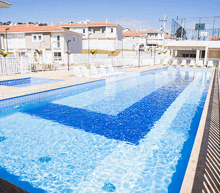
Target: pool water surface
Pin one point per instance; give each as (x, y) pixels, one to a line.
(132, 133)
(24, 82)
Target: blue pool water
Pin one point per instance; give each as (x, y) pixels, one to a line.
(132, 133)
(24, 82)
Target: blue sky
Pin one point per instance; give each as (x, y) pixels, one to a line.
(139, 14)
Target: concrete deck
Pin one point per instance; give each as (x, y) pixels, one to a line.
(203, 171)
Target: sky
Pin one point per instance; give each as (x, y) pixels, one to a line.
(139, 14)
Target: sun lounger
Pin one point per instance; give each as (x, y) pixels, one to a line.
(200, 63)
(175, 62)
(77, 71)
(104, 72)
(111, 69)
(165, 62)
(210, 63)
(85, 72)
(192, 63)
(95, 72)
(183, 63)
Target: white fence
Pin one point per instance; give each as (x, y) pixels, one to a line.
(19, 65)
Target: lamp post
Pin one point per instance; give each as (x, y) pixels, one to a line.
(122, 46)
(140, 48)
(52, 50)
(88, 46)
(68, 54)
(6, 39)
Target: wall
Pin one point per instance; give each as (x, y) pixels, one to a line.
(101, 44)
(75, 47)
(38, 45)
(97, 33)
(213, 53)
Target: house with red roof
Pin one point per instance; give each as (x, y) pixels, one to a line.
(97, 35)
(4, 4)
(54, 41)
(133, 38)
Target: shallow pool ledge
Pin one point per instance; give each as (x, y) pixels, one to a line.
(195, 164)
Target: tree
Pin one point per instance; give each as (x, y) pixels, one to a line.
(180, 32)
(92, 52)
(39, 51)
(5, 54)
(69, 52)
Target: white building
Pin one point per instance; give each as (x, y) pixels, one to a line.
(133, 38)
(54, 42)
(98, 35)
(194, 49)
(4, 4)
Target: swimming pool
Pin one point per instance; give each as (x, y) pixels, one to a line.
(131, 134)
(24, 82)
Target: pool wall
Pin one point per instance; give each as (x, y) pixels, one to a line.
(49, 93)
(189, 177)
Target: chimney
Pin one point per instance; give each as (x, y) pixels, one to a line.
(106, 21)
(27, 24)
(52, 22)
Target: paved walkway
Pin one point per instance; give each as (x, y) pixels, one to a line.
(207, 177)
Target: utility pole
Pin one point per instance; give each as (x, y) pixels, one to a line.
(164, 23)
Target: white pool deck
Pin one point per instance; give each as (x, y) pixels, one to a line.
(68, 79)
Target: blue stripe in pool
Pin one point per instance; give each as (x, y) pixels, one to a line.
(141, 115)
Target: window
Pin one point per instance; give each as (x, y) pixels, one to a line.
(102, 30)
(74, 39)
(57, 56)
(37, 37)
(112, 30)
(155, 35)
(150, 35)
(57, 37)
(84, 30)
(93, 30)
(22, 54)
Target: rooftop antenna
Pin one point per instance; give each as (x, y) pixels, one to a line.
(164, 22)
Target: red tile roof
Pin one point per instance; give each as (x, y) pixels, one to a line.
(140, 32)
(214, 38)
(33, 28)
(90, 24)
(129, 33)
(5, 2)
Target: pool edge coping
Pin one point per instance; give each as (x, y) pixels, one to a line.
(189, 176)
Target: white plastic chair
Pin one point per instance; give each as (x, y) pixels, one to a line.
(165, 62)
(111, 69)
(85, 72)
(175, 62)
(210, 63)
(200, 63)
(192, 63)
(95, 72)
(104, 72)
(77, 71)
(183, 63)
